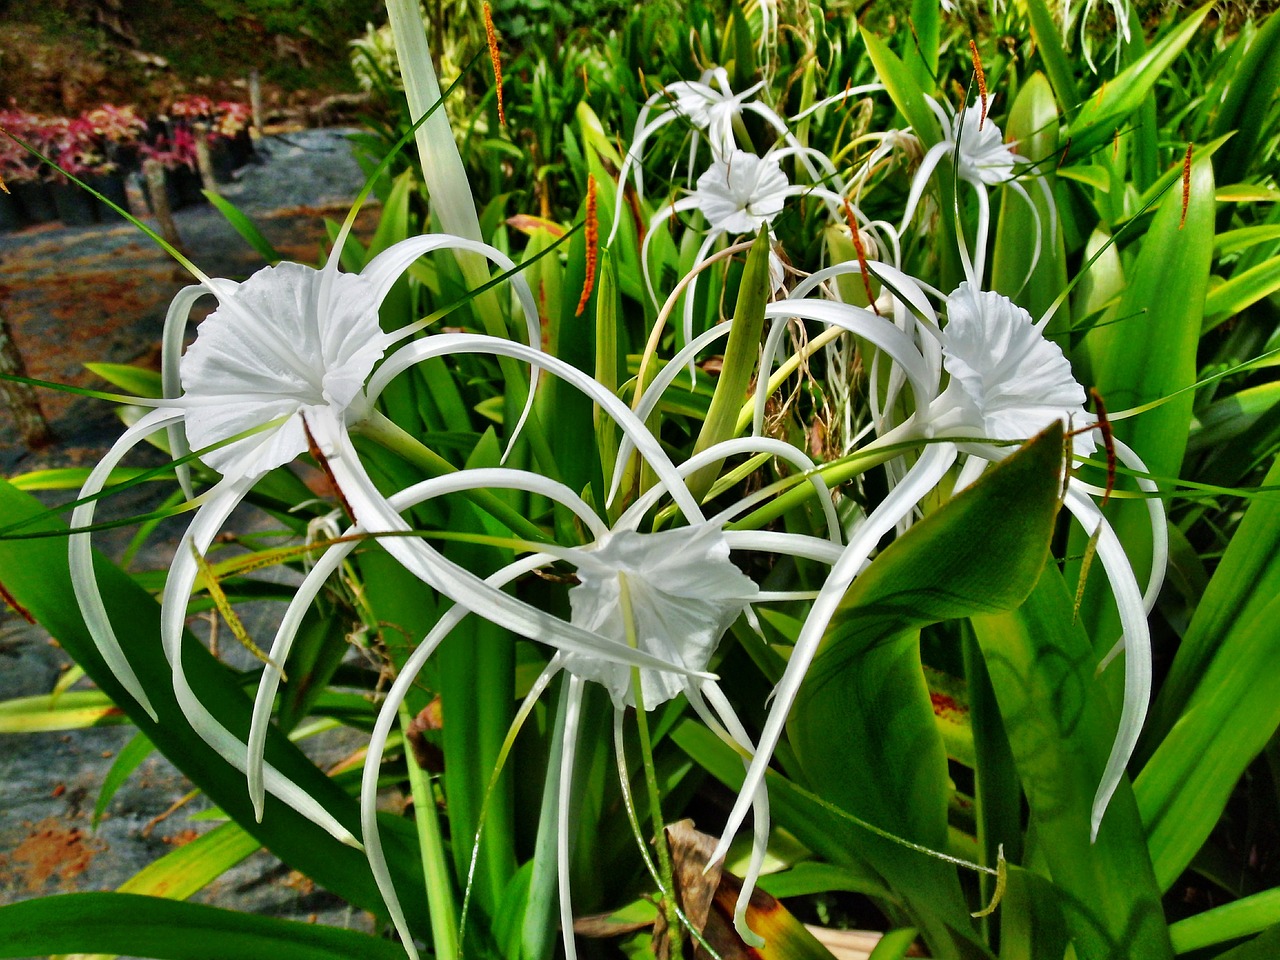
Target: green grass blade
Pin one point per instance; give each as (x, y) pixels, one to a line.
(244, 226)
(126, 923)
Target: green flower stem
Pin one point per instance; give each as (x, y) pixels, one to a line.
(670, 907)
(388, 434)
(435, 863)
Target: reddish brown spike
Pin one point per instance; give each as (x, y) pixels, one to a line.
(11, 600)
(1062, 157)
(323, 461)
(593, 246)
(1186, 186)
(1108, 442)
(862, 255)
(492, 36)
(982, 82)
(1115, 144)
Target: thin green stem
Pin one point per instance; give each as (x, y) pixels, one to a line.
(435, 863)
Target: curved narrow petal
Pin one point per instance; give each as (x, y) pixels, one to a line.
(728, 448)
(387, 714)
(305, 594)
(1137, 647)
(759, 816)
(921, 179)
(573, 711)
(933, 464)
(690, 293)
(84, 582)
(648, 401)
(445, 343)
(1159, 528)
(182, 575)
(632, 162)
(384, 269)
(863, 323)
(175, 328)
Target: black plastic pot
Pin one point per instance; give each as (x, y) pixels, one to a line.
(75, 206)
(184, 186)
(10, 216)
(34, 200)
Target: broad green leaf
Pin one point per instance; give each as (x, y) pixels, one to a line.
(1061, 68)
(920, 43)
(127, 760)
(1246, 580)
(1060, 727)
(36, 574)
(864, 704)
(128, 923)
(1033, 125)
(903, 89)
(1227, 299)
(1149, 352)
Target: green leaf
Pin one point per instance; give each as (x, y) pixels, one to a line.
(1113, 104)
(1060, 727)
(1246, 580)
(244, 226)
(903, 89)
(1149, 353)
(127, 760)
(137, 380)
(1033, 125)
(864, 705)
(1227, 299)
(73, 710)
(740, 357)
(128, 923)
(1184, 787)
(1245, 103)
(1238, 919)
(1048, 40)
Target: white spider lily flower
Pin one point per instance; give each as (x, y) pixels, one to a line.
(711, 107)
(660, 600)
(982, 159)
(1003, 381)
(738, 194)
(287, 351)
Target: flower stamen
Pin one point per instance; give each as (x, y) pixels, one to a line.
(982, 81)
(491, 35)
(862, 255)
(593, 246)
(1186, 186)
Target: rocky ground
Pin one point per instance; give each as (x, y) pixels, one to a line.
(100, 294)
